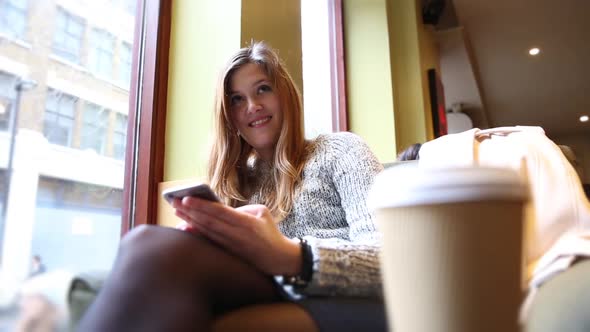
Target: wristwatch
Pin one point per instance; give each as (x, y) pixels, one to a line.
(301, 280)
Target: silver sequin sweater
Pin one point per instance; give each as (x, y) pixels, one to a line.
(331, 213)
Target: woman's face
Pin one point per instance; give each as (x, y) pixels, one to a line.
(255, 109)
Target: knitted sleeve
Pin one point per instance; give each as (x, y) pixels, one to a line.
(349, 267)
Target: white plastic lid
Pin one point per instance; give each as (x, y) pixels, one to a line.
(409, 186)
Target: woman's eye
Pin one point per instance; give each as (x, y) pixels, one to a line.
(264, 88)
(234, 100)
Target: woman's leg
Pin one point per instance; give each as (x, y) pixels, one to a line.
(562, 303)
(284, 317)
(168, 280)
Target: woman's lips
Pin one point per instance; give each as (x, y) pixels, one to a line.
(260, 122)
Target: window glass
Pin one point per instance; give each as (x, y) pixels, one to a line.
(62, 168)
(130, 6)
(94, 129)
(125, 53)
(101, 54)
(13, 17)
(69, 30)
(120, 136)
(7, 96)
(76, 211)
(59, 118)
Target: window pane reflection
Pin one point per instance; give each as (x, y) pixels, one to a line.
(65, 70)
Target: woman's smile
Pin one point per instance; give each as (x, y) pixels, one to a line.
(260, 122)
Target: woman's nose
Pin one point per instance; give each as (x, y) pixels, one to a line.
(254, 105)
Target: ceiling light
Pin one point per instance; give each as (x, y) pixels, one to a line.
(584, 118)
(534, 51)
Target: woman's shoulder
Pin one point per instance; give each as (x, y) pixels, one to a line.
(343, 153)
(340, 141)
(338, 147)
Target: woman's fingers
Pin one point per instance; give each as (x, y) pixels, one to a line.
(203, 221)
(186, 227)
(214, 236)
(257, 211)
(221, 239)
(218, 211)
(212, 228)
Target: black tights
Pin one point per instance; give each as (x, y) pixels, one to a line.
(168, 280)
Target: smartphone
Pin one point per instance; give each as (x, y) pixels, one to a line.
(199, 190)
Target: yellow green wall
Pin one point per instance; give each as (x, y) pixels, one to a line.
(203, 36)
(368, 75)
(278, 22)
(413, 51)
(388, 52)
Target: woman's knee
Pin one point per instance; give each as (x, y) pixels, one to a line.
(146, 239)
(162, 248)
(156, 247)
(160, 253)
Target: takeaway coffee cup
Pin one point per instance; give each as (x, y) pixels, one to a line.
(452, 247)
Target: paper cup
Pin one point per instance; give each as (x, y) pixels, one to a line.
(452, 248)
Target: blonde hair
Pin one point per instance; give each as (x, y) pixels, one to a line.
(230, 153)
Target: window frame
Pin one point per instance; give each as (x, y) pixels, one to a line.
(24, 14)
(125, 54)
(119, 133)
(96, 127)
(100, 55)
(62, 50)
(57, 113)
(144, 164)
(7, 99)
(338, 69)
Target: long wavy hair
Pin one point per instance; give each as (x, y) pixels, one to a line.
(231, 155)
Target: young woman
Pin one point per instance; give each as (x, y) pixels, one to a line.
(294, 230)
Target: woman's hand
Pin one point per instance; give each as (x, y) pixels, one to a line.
(249, 232)
(184, 226)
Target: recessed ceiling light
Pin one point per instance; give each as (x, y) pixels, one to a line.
(534, 51)
(584, 118)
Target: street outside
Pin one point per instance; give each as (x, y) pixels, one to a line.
(8, 318)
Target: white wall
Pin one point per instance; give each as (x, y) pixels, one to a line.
(458, 77)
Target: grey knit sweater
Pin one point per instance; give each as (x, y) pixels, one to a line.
(331, 213)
